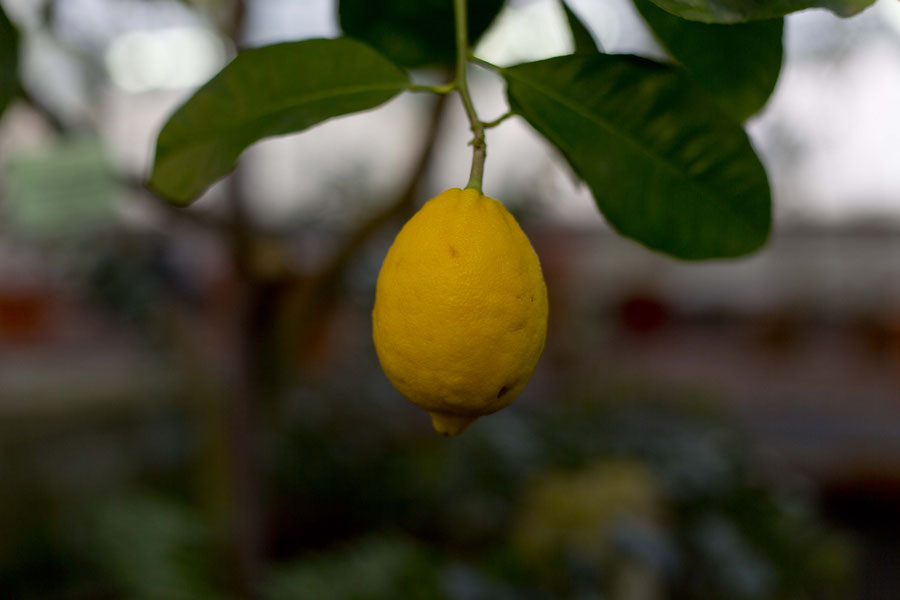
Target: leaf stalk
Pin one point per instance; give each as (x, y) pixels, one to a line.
(497, 121)
(440, 90)
(483, 63)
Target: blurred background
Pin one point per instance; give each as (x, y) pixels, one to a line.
(190, 403)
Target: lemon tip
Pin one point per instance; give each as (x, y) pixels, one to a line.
(450, 425)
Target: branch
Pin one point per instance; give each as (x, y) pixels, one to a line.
(321, 290)
(51, 118)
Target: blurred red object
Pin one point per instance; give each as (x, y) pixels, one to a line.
(25, 314)
(643, 313)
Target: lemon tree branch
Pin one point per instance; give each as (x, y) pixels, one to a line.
(479, 148)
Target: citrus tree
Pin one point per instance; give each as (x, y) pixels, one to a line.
(660, 145)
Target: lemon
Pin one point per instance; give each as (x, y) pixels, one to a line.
(460, 313)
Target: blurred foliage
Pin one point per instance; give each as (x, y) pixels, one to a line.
(134, 279)
(371, 569)
(564, 500)
(65, 190)
(646, 494)
(156, 549)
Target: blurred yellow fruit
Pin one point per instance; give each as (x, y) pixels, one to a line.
(576, 513)
(460, 313)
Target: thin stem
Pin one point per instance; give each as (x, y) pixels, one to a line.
(497, 121)
(440, 90)
(479, 148)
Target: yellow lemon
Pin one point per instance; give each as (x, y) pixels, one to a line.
(460, 313)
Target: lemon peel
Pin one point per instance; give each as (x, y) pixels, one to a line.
(460, 315)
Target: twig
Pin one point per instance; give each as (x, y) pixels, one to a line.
(312, 298)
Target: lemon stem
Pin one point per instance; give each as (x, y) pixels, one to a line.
(479, 148)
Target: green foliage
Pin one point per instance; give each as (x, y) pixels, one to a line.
(376, 568)
(376, 513)
(9, 60)
(414, 33)
(65, 190)
(670, 492)
(736, 11)
(156, 549)
(268, 91)
(665, 165)
(739, 64)
(581, 35)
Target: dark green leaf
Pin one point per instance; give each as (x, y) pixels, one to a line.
(736, 11)
(664, 164)
(581, 35)
(9, 60)
(414, 33)
(739, 64)
(268, 91)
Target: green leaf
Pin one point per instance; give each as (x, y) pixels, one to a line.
(736, 11)
(739, 64)
(665, 165)
(268, 91)
(9, 61)
(581, 35)
(414, 33)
